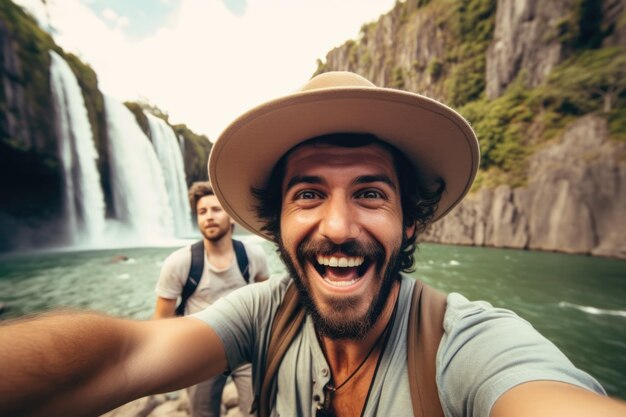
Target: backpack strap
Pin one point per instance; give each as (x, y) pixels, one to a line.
(195, 273)
(425, 329)
(287, 322)
(197, 266)
(242, 259)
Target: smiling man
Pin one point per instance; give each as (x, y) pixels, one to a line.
(341, 227)
(342, 176)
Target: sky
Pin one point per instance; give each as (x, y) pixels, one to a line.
(204, 62)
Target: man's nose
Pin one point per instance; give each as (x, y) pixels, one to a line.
(338, 223)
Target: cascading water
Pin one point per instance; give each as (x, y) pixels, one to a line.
(171, 159)
(140, 199)
(84, 200)
(181, 143)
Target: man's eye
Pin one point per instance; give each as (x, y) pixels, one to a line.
(371, 194)
(306, 195)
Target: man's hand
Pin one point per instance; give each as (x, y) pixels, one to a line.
(165, 307)
(555, 399)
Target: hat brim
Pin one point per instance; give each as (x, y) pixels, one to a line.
(436, 139)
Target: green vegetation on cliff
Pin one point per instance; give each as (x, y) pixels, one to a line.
(500, 125)
(590, 81)
(593, 81)
(472, 24)
(20, 34)
(196, 150)
(142, 120)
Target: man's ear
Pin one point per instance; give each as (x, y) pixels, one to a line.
(409, 231)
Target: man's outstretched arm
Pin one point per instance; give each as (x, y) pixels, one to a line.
(84, 364)
(555, 399)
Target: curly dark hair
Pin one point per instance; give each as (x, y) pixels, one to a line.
(419, 202)
(198, 190)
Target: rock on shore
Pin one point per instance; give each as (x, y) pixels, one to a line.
(175, 404)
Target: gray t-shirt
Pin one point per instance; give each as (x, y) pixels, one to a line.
(214, 283)
(484, 352)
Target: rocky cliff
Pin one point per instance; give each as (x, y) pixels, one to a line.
(575, 200)
(31, 173)
(553, 170)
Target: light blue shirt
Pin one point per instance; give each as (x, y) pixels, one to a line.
(484, 352)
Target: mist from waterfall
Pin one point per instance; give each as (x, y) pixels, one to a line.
(140, 199)
(169, 153)
(83, 200)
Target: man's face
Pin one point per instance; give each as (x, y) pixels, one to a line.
(213, 221)
(340, 233)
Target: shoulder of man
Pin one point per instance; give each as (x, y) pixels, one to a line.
(177, 261)
(259, 301)
(257, 259)
(459, 308)
(479, 357)
(180, 255)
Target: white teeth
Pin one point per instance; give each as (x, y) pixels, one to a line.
(341, 283)
(342, 262)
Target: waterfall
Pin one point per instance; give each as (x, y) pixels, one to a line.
(140, 199)
(171, 159)
(181, 143)
(83, 199)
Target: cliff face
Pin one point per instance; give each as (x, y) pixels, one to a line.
(20, 119)
(526, 38)
(570, 195)
(575, 200)
(411, 63)
(30, 174)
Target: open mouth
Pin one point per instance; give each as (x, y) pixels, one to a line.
(341, 271)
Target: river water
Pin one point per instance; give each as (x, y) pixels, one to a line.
(578, 302)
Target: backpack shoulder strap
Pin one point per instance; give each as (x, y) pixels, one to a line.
(287, 322)
(195, 273)
(242, 259)
(425, 329)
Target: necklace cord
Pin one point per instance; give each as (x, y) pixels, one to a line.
(382, 336)
(331, 388)
(324, 409)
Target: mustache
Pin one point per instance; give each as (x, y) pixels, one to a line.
(309, 248)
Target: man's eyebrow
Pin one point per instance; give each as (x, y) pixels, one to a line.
(307, 179)
(366, 179)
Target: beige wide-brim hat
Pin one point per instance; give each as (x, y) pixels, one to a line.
(435, 138)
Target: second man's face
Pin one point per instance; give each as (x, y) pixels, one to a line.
(213, 221)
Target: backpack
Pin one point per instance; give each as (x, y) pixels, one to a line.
(424, 332)
(197, 266)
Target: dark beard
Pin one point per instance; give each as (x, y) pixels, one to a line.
(216, 238)
(341, 323)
